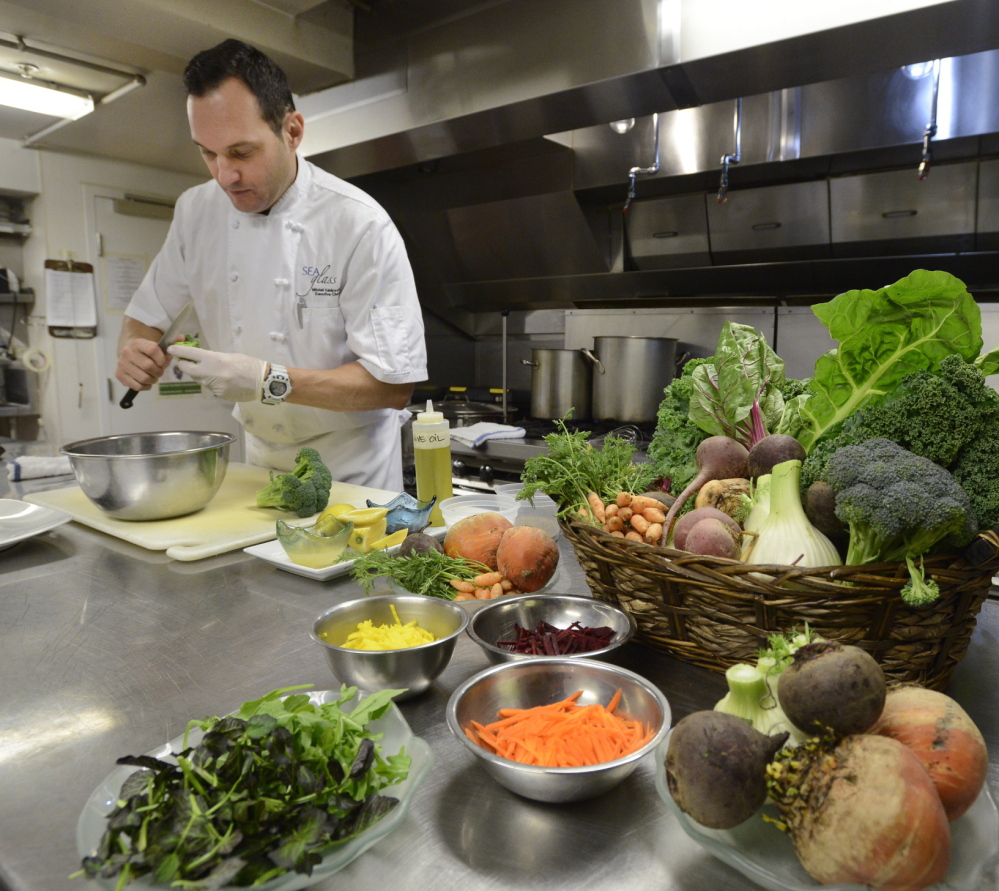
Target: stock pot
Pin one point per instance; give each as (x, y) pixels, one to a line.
(629, 376)
(560, 380)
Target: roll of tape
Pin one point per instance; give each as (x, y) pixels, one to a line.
(35, 360)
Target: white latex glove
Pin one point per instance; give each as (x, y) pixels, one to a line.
(231, 376)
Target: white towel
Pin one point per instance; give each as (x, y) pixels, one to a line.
(477, 434)
(29, 467)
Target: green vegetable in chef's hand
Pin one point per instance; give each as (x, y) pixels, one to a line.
(188, 341)
(265, 792)
(305, 490)
(899, 506)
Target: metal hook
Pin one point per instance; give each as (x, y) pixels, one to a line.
(931, 127)
(644, 171)
(734, 158)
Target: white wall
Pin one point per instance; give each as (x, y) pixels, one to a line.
(69, 410)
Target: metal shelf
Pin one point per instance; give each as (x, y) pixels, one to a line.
(8, 228)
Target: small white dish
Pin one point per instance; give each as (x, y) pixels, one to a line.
(20, 520)
(274, 553)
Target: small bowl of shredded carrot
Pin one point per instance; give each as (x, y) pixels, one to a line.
(391, 642)
(558, 729)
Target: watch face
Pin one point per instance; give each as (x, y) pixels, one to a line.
(277, 388)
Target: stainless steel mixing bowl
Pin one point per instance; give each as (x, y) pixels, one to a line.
(413, 668)
(150, 476)
(497, 619)
(542, 682)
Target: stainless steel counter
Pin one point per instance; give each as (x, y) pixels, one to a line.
(107, 649)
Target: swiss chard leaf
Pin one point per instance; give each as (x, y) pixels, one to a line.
(738, 395)
(882, 336)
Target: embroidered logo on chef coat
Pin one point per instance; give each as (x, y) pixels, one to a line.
(319, 283)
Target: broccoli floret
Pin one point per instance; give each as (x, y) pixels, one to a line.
(897, 504)
(305, 490)
(934, 414)
(676, 438)
(919, 591)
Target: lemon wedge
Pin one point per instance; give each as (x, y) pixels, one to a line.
(362, 539)
(390, 541)
(364, 516)
(336, 510)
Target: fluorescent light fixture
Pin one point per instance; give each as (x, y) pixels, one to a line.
(30, 96)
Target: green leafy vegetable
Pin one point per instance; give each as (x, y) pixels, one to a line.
(739, 394)
(189, 341)
(573, 468)
(882, 336)
(674, 444)
(427, 573)
(266, 791)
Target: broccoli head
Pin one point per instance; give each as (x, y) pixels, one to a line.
(898, 506)
(304, 490)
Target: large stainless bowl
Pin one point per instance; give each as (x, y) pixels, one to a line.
(413, 669)
(496, 621)
(150, 476)
(544, 681)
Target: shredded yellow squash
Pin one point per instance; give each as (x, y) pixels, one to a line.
(368, 636)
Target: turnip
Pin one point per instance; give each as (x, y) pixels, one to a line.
(713, 538)
(716, 767)
(832, 686)
(943, 737)
(718, 458)
(862, 812)
(688, 520)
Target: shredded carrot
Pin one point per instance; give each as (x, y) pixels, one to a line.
(562, 734)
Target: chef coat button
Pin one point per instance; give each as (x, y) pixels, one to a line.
(281, 282)
(238, 329)
(235, 224)
(274, 335)
(234, 276)
(281, 338)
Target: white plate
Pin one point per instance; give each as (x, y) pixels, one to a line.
(397, 735)
(764, 854)
(20, 520)
(274, 553)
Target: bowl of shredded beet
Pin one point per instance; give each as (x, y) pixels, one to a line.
(529, 627)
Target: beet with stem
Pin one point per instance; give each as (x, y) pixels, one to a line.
(716, 767)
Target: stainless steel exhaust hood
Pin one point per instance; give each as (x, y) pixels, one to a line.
(487, 140)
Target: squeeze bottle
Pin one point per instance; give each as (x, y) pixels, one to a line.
(432, 453)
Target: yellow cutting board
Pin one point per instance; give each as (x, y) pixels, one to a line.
(230, 520)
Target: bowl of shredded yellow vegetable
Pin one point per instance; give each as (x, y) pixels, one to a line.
(394, 641)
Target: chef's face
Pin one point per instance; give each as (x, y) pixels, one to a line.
(253, 164)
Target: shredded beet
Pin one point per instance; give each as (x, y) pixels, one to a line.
(547, 640)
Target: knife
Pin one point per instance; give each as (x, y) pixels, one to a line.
(185, 323)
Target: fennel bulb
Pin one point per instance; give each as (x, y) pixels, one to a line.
(787, 537)
(758, 512)
(752, 696)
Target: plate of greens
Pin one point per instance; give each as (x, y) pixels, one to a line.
(273, 552)
(344, 767)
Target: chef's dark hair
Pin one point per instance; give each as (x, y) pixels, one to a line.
(233, 58)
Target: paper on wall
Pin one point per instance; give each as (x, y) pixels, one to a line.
(69, 299)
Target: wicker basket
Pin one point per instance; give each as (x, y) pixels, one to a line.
(716, 612)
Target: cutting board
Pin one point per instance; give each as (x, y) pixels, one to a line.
(230, 520)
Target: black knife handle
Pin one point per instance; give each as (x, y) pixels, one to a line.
(126, 400)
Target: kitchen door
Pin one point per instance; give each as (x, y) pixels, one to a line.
(128, 234)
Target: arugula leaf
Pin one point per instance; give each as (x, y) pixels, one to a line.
(882, 336)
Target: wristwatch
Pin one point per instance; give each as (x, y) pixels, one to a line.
(277, 385)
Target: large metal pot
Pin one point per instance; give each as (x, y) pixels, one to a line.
(560, 381)
(630, 374)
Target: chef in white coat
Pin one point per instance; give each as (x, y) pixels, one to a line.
(300, 280)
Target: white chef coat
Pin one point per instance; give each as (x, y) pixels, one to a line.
(321, 280)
